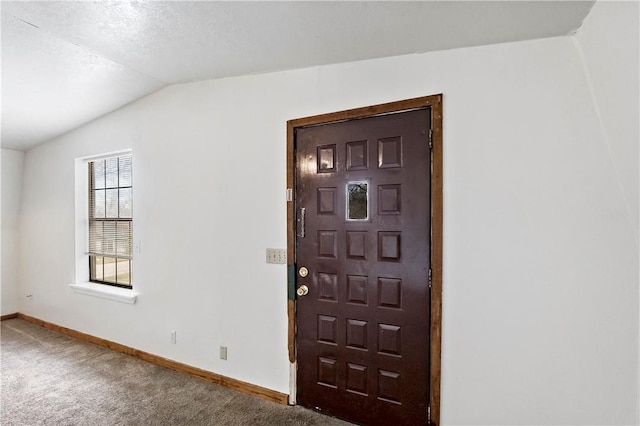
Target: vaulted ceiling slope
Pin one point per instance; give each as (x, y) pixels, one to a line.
(65, 63)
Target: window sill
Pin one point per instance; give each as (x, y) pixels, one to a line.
(118, 294)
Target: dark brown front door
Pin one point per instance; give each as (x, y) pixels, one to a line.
(363, 218)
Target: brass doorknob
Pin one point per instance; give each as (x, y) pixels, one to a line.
(303, 290)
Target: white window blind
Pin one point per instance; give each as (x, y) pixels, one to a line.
(111, 220)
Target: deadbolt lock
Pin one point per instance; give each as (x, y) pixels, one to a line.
(303, 290)
(303, 272)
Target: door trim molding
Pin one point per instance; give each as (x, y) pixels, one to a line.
(433, 102)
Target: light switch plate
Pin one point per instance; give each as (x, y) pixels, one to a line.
(276, 256)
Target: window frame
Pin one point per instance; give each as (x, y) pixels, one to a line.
(80, 284)
(120, 248)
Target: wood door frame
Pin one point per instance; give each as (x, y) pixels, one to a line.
(435, 103)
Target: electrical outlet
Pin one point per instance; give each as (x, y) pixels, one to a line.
(276, 256)
(223, 352)
(173, 337)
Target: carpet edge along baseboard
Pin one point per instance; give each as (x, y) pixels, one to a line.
(8, 316)
(208, 376)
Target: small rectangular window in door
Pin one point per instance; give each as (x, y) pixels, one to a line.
(357, 200)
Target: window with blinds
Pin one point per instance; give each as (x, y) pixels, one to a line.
(111, 221)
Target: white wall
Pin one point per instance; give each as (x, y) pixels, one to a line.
(540, 269)
(12, 164)
(609, 41)
(609, 44)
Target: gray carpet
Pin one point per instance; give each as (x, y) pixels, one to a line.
(52, 379)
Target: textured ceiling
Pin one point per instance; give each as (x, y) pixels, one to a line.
(65, 63)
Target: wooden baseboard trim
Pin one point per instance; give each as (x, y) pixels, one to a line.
(8, 316)
(208, 376)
